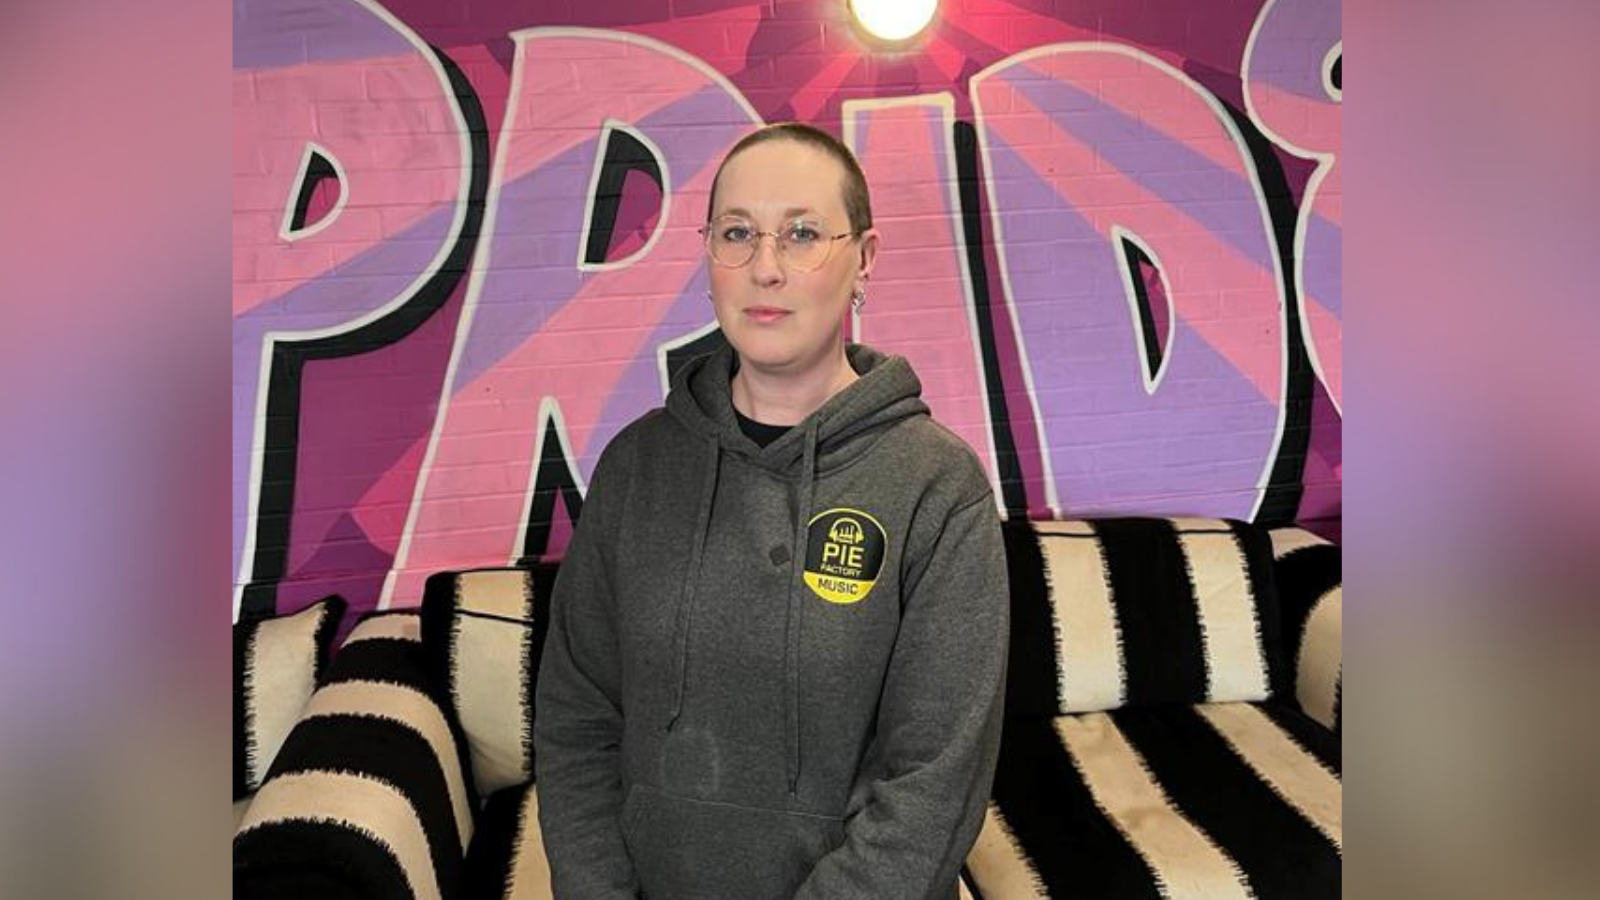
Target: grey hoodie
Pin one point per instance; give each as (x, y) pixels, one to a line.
(774, 673)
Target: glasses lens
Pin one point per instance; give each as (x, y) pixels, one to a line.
(805, 246)
(732, 242)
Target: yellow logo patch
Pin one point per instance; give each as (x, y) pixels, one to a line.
(844, 552)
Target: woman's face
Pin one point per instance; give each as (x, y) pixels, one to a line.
(778, 318)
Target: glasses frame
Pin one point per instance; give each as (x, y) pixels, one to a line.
(777, 241)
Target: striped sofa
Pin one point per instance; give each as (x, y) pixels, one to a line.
(404, 778)
(1171, 731)
(1172, 724)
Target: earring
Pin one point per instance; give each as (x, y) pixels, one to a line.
(860, 299)
(708, 294)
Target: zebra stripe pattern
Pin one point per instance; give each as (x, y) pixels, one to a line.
(277, 663)
(1113, 613)
(1210, 801)
(483, 630)
(1309, 573)
(369, 795)
(508, 859)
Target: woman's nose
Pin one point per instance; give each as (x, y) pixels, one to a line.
(766, 267)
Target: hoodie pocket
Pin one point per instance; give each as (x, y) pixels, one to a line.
(685, 849)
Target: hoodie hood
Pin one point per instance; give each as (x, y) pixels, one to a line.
(886, 392)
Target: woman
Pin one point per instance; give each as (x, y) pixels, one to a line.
(776, 658)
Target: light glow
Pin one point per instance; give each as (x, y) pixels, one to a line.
(893, 20)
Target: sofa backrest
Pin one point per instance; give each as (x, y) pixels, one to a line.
(1117, 612)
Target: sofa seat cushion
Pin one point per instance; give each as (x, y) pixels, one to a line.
(506, 860)
(1209, 801)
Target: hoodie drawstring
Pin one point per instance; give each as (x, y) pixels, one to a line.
(689, 592)
(791, 661)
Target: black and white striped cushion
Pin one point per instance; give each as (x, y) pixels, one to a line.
(369, 797)
(1231, 800)
(1310, 578)
(277, 663)
(507, 859)
(1110, 613)
(483, 630)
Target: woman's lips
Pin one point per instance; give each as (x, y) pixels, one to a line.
(766, 315)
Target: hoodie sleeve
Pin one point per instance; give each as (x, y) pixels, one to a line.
(578, 721)
(938, 729)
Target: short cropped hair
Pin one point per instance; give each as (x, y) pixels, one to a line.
(857, 203)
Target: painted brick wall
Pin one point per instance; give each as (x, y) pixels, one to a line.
(465, 255)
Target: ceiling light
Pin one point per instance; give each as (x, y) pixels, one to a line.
(893, 20)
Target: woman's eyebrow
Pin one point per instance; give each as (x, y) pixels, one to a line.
(789, 213)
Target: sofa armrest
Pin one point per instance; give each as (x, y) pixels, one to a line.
(369, 796)
(1309, 576)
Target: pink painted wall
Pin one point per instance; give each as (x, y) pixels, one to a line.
(464, 243)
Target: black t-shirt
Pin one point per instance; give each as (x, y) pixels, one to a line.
(760, 432)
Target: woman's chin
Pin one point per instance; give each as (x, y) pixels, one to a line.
(777, 350)
(766, 351)
(767, 359)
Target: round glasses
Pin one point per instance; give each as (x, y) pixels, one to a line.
(802, 246)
